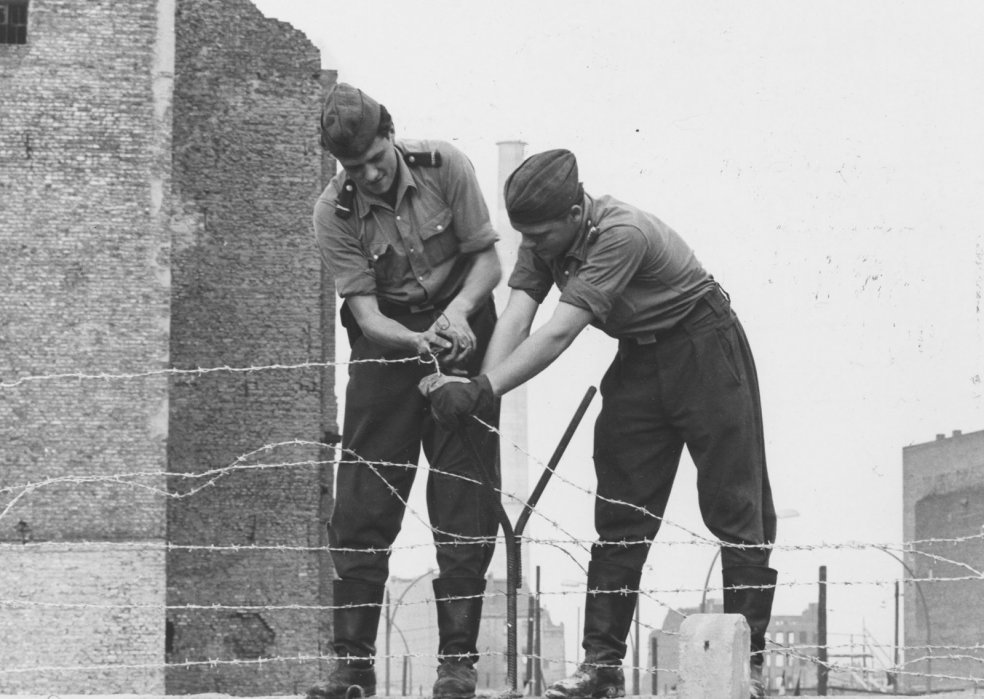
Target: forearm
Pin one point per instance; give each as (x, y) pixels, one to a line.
(481, 279)
(537, 352)
(533, 355)
(388, 333)
(513, 327)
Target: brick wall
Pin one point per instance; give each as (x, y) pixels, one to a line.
(84, 177)
(247, 291)
(108, 635)
(943, 483)
(114, 266)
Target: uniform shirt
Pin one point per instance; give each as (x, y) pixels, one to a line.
(635, 274)
(407, 254)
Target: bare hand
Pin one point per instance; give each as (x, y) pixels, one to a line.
(430, 344)
(454, 327)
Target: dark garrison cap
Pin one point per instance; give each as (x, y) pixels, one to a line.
(543, 188)
(349, 120)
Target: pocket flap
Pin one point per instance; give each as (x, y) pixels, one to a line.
(436, 224)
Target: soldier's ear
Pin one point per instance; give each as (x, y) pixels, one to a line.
(575, 212)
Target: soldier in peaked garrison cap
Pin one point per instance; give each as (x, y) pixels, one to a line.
(406, 234)
(349, 121)
(683, 375)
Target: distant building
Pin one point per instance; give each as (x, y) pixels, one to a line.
(789, 659)
(158, 164)
(943, 522)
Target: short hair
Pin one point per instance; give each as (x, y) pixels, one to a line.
(385, 122)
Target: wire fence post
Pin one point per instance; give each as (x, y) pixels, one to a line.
(822, 668)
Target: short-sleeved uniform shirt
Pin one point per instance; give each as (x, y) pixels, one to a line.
(635, 274)
(409, 254)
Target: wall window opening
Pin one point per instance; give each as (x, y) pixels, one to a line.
(13, 22)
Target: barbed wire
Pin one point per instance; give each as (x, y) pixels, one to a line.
(150, 480)
(199, 371)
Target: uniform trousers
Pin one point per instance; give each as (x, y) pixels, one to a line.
(387, 421)
(694, 385)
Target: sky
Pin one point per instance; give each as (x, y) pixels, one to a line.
(823, 159)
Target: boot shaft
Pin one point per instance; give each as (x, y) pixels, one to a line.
(459, 615)
(750, 591)
(357, 607)
(608, 608)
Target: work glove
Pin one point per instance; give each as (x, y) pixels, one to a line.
(454, 398)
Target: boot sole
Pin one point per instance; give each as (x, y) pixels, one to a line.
(607, 693)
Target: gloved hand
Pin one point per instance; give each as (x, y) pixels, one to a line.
(454, 398)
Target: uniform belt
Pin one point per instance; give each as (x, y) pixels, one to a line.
(715, 302)
(391, 309)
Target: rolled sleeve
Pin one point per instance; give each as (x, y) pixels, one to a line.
(531, 275)
(472, 224)
(611, 263)
(341, 251)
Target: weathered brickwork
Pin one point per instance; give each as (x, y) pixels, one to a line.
(944, 502)
(84, 176)
(158, 166)
(246, 292)
(125, 637)
(85, 282)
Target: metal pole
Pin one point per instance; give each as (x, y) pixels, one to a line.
(512, 535)
(822, 669)
(895, 653)
(538, 664)
(707, 582)
(530, 648)
(577, 648)
(654, 662)
(635, 653)
(389, 631)
(406, 662)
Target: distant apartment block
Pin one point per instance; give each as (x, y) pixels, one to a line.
(943, 522)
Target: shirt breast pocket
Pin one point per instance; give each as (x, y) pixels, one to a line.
(387, 266)
(439, 240)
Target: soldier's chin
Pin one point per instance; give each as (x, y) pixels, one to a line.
(380, 187)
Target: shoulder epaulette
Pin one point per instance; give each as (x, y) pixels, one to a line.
(425, 158)
(593, 233)
(345, 200)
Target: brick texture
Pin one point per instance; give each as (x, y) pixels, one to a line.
(247, 291)
(943, 488)
(109, 637)
(158, 167)
(84, 171)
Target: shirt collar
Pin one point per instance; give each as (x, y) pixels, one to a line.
(365, 201)
(579, 249)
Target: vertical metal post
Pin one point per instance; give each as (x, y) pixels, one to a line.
(389, 629)
(654, 662)
(635, 653)
(406, 663)
(530, 648)
(822, 669)
(512, 536)
(895, 653)
(538, 646)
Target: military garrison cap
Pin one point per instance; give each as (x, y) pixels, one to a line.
(349, 121)
(543, 188)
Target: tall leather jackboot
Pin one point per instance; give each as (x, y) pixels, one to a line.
(755, 604)
(357, 606)
(608, 609)
(459, 615)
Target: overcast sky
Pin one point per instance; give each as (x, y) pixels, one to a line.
(824, 159)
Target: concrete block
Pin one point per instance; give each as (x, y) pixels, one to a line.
(714, 654)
